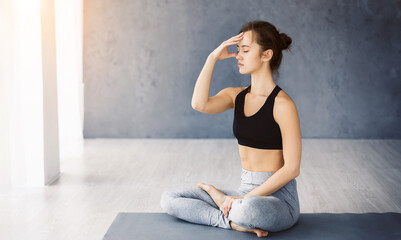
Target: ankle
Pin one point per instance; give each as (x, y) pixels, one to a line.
(238, 227)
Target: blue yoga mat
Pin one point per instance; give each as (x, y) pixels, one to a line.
(161, 226)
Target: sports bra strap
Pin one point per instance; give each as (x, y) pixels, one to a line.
(275, 91)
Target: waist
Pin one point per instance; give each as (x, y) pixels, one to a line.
(261, 161)
(252, 177)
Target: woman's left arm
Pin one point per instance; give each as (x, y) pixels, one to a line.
(286, 116)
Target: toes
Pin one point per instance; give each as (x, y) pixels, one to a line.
(203, 186)
(206, 187)
(261, 233)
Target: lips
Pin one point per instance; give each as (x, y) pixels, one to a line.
(239, 64)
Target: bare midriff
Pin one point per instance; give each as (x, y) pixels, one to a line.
(261, 160)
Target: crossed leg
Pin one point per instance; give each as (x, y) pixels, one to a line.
(218, 197)
(263, 213)
(197, 206)
(194, 205)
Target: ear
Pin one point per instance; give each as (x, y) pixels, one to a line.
(267, 55)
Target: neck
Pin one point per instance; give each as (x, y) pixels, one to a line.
(262, 82)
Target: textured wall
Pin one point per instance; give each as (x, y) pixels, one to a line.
(142, 59)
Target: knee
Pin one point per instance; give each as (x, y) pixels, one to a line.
(165, 201)
(252, 211)
(241, 212)
(267, 213)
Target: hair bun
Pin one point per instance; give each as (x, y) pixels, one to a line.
(285, 41)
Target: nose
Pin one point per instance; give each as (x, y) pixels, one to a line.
(238, 56)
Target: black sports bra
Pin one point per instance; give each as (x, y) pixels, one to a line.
(259, 130)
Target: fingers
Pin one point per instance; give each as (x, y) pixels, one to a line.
(232, 54)
(232, 42)
(227, 206)
(238, 37)
(240, 34)
(224, 207)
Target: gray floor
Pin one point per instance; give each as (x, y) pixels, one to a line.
(129, 175)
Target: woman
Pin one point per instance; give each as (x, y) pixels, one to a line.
(266, 126)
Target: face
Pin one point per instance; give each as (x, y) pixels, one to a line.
(249, 55)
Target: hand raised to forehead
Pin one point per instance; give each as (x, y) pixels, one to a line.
(221, 52)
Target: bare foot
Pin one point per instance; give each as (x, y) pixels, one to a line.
(259, 232)
(217, 195)
(218, 198)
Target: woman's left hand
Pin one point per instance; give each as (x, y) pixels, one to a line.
(226, 206)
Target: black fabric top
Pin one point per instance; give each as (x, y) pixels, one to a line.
(259, 130)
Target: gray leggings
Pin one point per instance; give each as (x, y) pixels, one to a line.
(276, 212)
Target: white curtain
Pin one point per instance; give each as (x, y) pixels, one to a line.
(41, 90)
(69, 39)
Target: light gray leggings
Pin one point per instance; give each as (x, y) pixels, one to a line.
(276, 212)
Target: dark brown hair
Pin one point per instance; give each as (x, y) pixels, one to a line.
(268, 37)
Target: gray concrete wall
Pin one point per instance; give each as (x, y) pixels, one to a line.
(142, 59)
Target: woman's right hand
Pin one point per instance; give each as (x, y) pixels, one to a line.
(221, 52)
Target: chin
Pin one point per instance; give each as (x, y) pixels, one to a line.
(242, 71)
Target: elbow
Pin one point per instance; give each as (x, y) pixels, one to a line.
(199, 104)
(293, 171)
(195, 106)
(194, 103)
(296, 172)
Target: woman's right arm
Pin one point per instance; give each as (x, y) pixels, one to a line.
(200, 97)
(223, 100)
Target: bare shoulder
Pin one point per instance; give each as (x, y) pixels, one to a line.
(284, 106)
(234, 92)
(237, 90)
(282, 98)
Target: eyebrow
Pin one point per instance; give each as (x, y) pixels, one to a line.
(243, 45)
